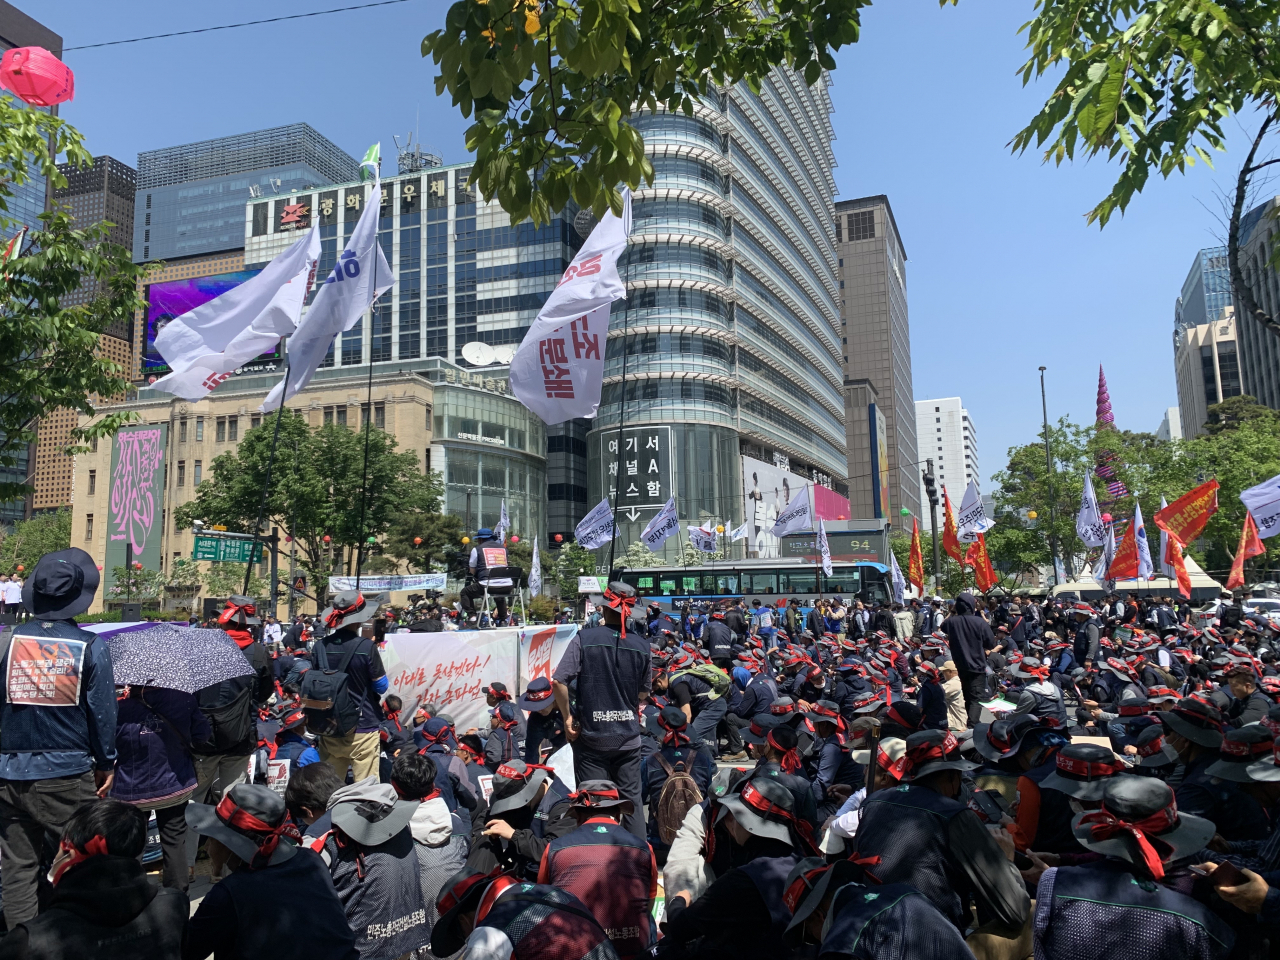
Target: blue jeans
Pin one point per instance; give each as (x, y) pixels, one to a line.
(703, 729)
(769, 635)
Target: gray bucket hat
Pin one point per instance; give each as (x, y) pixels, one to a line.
(349, 607)
(1240, 750)
(514, 784)
(243, 821)
(369, 812)
(764, 808)
(808, 883)
(1082, 771)
(1131, 800)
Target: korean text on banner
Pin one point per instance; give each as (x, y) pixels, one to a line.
(1263, 504)
(44, 671)
(535, 571)
(597, 528)
(1090, 527)
(558, 370)
(412, 581)
(1187, 516)
(662, 526)
(950, 537)
(973, 518)
(824, 548)
(796, 518)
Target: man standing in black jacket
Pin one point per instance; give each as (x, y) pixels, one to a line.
(969, 637)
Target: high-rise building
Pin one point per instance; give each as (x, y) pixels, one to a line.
(945, 434)
(191, 198)
(729, 336)
(1206, 290)
(24, 205)
(1258, 344)
(880, 412)
(1208, 369)
(102, 192)
(1171, 426)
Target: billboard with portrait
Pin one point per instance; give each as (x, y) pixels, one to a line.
(879, 460)
(766, 491)
(173, 298)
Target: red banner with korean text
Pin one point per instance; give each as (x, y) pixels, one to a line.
(950, 534)
(915, 563)
(1186, 517)
(1250, 546)
(984, 575)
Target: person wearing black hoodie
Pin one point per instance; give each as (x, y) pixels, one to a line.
(970, 637)
(102, 905)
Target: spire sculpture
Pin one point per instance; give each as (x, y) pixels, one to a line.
(1105, 469)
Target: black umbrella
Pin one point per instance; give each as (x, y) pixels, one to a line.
(178, 658)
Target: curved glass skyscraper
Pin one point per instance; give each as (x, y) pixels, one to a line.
(730, 333)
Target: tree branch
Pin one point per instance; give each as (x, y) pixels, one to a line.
(1244, 295)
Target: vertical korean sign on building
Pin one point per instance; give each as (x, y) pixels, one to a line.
(644, 476)
(137, 490)
(879, 460)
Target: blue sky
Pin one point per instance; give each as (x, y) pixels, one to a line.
(1003, 273)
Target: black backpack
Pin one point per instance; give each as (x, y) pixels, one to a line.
(232, 723)
(332, 708)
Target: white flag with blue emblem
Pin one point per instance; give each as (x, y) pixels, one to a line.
(742, 532)
(597, 528)
(824, 548)
(703, 540)
(899, 581)
(504, 523)
(1090, 527)
(796, 517)
(661, 527)
(342, 300)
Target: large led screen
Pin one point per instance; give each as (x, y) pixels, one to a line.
(173, 298)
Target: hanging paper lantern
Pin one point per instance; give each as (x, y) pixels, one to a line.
(36, 76)
(417, 541)
(326, 538)
(515, 539)
(559, 538)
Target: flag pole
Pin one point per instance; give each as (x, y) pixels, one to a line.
(266, 488)
(368, 423)
(622, 425)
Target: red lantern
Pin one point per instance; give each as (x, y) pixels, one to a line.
(21, 568)
(1106, 518)
(326, 538)
(515, 539)
(417, 541)
(137, 565)
(559, 538)
(99, 568)
(36, 76)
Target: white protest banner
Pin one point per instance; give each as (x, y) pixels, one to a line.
(1263, 503)
(703, 540)
(368, 584)
(973, 518)
(899, 582)
(663, 525)
(1090, 527)
(742, 532)
(504, 523)
(796, 517)
(597, 527)
(207, 345)
(535, 571)
(558, 370)
(824, 549)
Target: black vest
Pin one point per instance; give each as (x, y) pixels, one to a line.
(891, 922)
(613, 671)
(718, 639)
(769, 874)
(906, 827)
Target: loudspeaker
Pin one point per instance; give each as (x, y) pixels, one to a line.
(130, 612)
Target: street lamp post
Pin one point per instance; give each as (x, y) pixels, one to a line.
(931, 490)
(1048, 462)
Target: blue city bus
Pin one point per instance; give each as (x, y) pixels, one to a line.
(763, 580)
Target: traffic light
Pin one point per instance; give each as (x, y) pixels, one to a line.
(930, 485)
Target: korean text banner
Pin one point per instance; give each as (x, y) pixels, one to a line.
(137, 481)
(451, 669)
(368, 584)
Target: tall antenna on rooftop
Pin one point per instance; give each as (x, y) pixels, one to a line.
(412, 157)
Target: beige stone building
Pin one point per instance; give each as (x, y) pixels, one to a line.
(1207, 367)
(200, 432)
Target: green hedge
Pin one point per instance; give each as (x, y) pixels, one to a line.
(113, 616)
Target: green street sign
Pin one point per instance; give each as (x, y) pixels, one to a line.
(226, 549)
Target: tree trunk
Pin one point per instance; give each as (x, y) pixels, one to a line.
(1244, 295)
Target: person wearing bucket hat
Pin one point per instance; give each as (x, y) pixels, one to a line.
(884, 773)
(1248, 704)
(374, 867)
(1194, 730)
(951, 858)
(1081, 771)
(59, 751)
(241, 915)
(675, 778)
(607, 867)
(528, 808)
(831, 769)
(505, 741)
(342, 691)
(612, 669)
(774, 745)
(1040, 697)
(742, 914)
(1094, 910)
(545, 725)
(1241, 749)
(831, 906)
(1152, 755)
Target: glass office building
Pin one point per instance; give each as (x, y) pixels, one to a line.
(730, 333)
(1206, 290)
(191, 198)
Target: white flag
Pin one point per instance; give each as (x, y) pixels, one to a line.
(742, 532)
(661, 527)
(597, 528)
(206, 345)
(824, 548)
(899, 581)
(1145, 567)
(1263, 502)
(504, 524)
(1166, 567)
(535, 571)
(559, 367)
(1089, 526)
(973, 518)
(702, 539)
(1103, 563)
(346, 294)
(797, 516)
